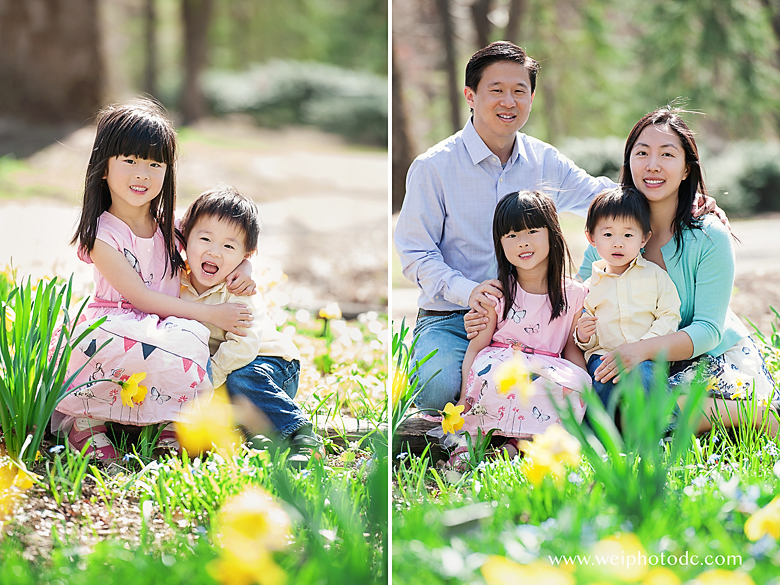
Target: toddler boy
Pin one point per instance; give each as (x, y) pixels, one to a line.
(629, 298)
(221, 228)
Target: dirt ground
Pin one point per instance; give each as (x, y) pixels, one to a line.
(323, 203)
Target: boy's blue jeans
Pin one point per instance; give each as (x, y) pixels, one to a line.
(604, 389)
(448, 335)
(271, 384)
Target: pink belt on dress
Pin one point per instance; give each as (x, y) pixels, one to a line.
(517, 346)
(104, 304)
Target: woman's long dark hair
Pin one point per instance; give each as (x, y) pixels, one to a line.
(526, 210)
(136, 128)
(670, 117)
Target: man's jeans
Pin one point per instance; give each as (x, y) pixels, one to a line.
(448, 336)
(605, 389)
(271, 383)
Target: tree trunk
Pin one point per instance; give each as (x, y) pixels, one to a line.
(402, 144)
(479, 14)
(516, 13)
(150, 40)
(196, 16)
(448, 39)
(50, 62)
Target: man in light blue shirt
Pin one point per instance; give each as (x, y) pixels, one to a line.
(444, 231)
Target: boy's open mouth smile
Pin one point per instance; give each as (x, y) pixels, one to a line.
(209, 268)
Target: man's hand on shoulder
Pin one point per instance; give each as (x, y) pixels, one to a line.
(478, 299)
(706, 204)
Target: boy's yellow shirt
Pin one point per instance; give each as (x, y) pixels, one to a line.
(639, 304)
(230, 352)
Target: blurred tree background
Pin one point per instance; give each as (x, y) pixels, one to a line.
(605, 63)
(288, 62)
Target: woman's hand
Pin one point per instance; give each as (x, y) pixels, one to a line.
(474, 323)
(630, 355)
(239, 282)
(232, 317)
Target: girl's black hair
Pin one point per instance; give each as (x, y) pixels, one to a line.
(670, 116)
(137, 128)
(527, 210)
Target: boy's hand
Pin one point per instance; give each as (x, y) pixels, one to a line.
(586, 327)
(232, 317)
(239, 282)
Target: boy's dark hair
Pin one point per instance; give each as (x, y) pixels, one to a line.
(619, 202)
(227, 204)
(525, 210)
(136, 128)
(499, 51)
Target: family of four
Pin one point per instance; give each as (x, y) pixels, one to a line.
(657, 277)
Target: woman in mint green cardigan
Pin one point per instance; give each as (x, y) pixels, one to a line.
(661, 160)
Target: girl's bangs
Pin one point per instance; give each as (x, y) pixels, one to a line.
(521, 216)
(144, 138)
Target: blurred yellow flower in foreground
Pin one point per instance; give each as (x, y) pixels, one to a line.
(14, 481)
(209, 427)
(625, 546)
(451, 419)
(400, 384)
(331, 311)
(252, 525)
(513, 376)
(724, 577)
(660, 576)
(10, 317)
(132, 393)
(548, 452)
(765, 521)
(501, 571)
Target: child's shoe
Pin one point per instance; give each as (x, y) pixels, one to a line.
(100, 448)
(168, 442)
(305, 445)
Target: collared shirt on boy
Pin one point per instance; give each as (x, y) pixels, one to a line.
(230, 352)
(639, 304)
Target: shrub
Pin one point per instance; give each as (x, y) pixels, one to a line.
(600, 157)
(350, 103)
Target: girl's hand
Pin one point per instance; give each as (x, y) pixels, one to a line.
(630, 355)
(239, 282)
(474, 323)
(586, 327)
(478, 299)
(232, 317)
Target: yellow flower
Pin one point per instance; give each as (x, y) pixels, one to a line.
(209, 427)
(661, 576)
(331, 311)
(512, 376)
(451, 420)
(400, 384)
(131, 391)
(765, 521)
(625, 546)
(712, 384)
(252, 525)
(548, 452)
(724, 577)
(10, 316)
(501, 571)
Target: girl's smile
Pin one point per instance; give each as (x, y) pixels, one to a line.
(527, 249)
(133, 182)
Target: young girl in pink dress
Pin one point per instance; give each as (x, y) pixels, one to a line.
(534, 326)
(126, 232)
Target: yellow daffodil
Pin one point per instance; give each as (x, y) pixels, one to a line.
(548, 452)
(712, 384)
(252, 525)
(623, 545)
(208, 428)
(661, 576)
(132, 393)
(513, 376)
(765, 521)
(400, 384)
(724, 577)
(10, 316)
(451, 419)
(331, 311)
(500, 571)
